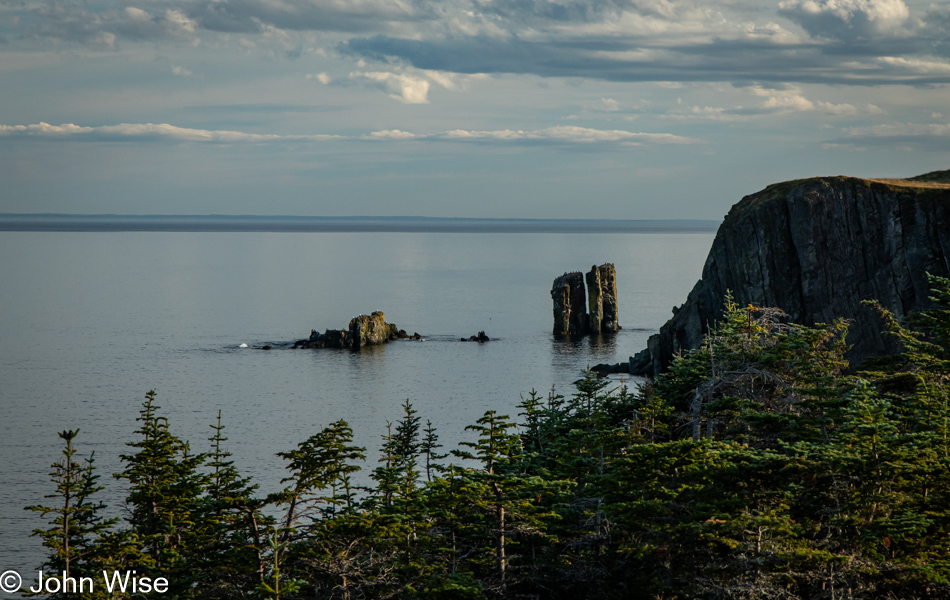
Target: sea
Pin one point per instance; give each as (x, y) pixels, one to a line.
(93, 319)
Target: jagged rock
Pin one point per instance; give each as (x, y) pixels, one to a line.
(570, 304)
(481, 337)
(371, 330)
(364, 330)
(816, 248)
(606, 369)
(602, 299)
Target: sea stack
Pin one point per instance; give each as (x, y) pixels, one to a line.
(577, 313)
(602, 299)
(570, 304)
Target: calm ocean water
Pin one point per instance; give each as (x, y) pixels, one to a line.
(92, 321)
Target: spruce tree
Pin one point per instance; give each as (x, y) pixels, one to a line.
(77, 523)
(164, 500)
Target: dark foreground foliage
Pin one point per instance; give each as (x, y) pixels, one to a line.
(754, 468)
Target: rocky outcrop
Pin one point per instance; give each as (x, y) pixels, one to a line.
(570, 304)
(602, 299)
(816, 248)
(371, 330)
(575, 315)
(364, 330)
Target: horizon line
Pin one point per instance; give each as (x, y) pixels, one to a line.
(77, 222)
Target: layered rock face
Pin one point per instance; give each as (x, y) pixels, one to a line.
(577, 313)
(816, 248)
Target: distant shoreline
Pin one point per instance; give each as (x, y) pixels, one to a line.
(291, 224)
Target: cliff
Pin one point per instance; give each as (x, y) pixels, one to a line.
(816, 248)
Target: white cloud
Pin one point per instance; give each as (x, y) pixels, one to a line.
(402, 87)
(321, 77)
(392, 134)
(181, 71)
(561, 134)
(785, 101)
(146, 131)
(166, 132)
(791, 100)
(412, 87)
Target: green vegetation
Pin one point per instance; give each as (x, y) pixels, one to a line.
(757, 467)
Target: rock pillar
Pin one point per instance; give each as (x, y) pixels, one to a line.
(607, 278)
(595, 300)
(602, 299)
(570, 303)
(573, 314)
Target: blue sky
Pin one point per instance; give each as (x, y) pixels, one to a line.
(628, 109)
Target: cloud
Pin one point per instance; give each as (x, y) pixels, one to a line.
(924, 67)
(847, 19)
(608, 40)
(145, 132)
(788, 100)
(101, 30)
(557, 135)
(741, 60)
(181, 71)
(353, 16)
(791, 100)
(402, 87)
(413, 87)
(184, 19)
(165, 132)
(321, 77)
(931, 137)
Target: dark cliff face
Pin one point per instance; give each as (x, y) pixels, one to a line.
(816, 248)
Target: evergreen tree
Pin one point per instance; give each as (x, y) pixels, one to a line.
(164, 499)
(77, 522)
(234, 528)
(430, 448)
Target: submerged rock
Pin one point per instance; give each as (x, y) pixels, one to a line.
(816, 248)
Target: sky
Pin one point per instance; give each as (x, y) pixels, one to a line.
(622, 109)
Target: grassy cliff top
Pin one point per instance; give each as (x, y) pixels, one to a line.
(936, 180)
